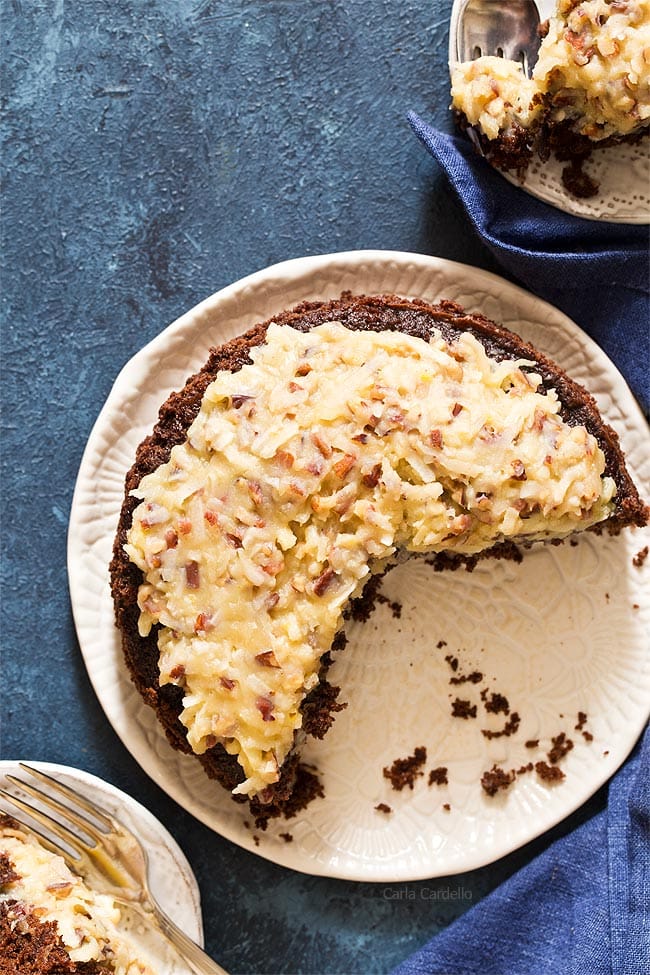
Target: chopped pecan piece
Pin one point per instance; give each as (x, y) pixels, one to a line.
(371, 478)
(435, 439)
(265, 707)
(267, 659)
(238, 400)
(344, 465)
(321, 444)
(323, 582)
(285, 458)
(192, 575)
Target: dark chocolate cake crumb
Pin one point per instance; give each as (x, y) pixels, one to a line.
(452, 661)
(438, 776)
(404, 771)
(498, 703)
(509, 728)
(582, 720)
(462, 709)
(287, 837)
(440, 644)
(474, 678)
(561, 746)
(496, 779)
(256, 839)
(549, 773)
(446, 807)
(528, 767)
(383, 807)
(532, 743)
(640, 557)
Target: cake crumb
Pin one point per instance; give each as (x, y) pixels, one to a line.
(582, 720)
(561, 747)
(498, 703)
(528, 767)
(287, 837)
(531, 743)
(496, 779)
(256, 839)
(463, 709)
(446, 806)
(404, 771)
(383, 807)
(452, 661)
(509, 728)
(474, 678)
(549, 773)
(440, 644)
(640, 557)
(438, 776)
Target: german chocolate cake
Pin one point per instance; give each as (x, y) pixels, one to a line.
(590, 87)
(308, 454)
(51, 922)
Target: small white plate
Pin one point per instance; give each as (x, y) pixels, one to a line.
(172, 882)
(621, 172)
(556, 635)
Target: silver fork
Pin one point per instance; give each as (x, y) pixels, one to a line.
(105, 853)
(503, 28)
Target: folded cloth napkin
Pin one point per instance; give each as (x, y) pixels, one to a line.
(597, 273)
(582, 907)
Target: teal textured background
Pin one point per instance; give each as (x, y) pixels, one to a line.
(153, 153)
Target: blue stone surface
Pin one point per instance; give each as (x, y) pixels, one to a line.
(155, 151)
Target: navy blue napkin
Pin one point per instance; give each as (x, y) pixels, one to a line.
(597, 273)
(582, 907)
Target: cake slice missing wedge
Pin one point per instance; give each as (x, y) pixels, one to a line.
(307, 455)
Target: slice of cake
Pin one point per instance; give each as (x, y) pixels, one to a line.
(51, 922)
(590, 87)
(311, 452)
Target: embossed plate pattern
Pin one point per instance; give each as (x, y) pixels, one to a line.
(172, 881)
(557, 634)
(621, 172)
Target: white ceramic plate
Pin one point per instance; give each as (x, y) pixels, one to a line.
(556, 634)
(172, 881)
(622, 172)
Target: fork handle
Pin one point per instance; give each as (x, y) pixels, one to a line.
(201, 963)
